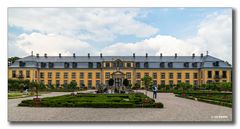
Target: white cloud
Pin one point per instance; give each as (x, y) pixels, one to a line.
(52, 44)
(214, 35)
(94, 24)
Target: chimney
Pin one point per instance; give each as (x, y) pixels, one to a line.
(60, 55)
(32, 53)
(175, 55)
(146, 55)
(193, 55)
(74, 55)
(160, 55)
(88, 55)
(133, 55)
(101, 55)
(207, 53)
(201, 55)
(45, 55)
(37, 55)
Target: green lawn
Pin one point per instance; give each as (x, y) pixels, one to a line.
(132, 100)
(16, 94)
(219, 98)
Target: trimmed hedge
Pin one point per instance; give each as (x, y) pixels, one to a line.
(212, 99)
(97, 101)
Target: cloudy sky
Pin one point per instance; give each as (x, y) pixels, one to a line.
(120, 31)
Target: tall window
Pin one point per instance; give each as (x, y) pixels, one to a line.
(195, 82)
(138, 75)
(65, 75)
(81, 75)
(128, 74)
(49, 75)
(162, 75)
(65, 82)
(28, 74)
(73, 75)
(89, 75)
(179, 75)
(171, 82)
(14, 74)
(209, 74)
(154, 75)
(57, 74)
(224, 74)
(98, 75)
(195, 75)
(41, 74)
(89, 84)
(162, 82)
(171, 75)
(57, 83)
(97, 83)
(187, 75)
(82, 83)
(49, 82)
(107, 75)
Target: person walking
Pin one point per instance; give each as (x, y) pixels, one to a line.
(155, 89)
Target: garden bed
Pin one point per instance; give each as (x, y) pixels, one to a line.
(133, 100)
(219, 98)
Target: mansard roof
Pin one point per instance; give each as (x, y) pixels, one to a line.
(202, 61)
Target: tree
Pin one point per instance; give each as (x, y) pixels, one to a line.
(136, 86)
(72, 85)
(182, 85)
(125, 82)
(111, 82)
(147, 82)
(11, 60)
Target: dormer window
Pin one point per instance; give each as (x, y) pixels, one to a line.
(43, 65)
(22, 64)
(74, 65)
(90, 65)
(128, 64)
(137, 64)
(194, 64)
(170, 64)
(107, 64)
(146, 65)
(216, 64)
(99, 65)
(162, 65)
(186, 64)
(50, 65)
(66, 65)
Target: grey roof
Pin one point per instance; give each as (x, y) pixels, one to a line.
(202, 62)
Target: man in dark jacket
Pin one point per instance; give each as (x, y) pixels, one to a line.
(155, 91)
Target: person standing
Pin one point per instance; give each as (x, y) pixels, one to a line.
(155, 89)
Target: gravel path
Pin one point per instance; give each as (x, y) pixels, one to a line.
(175, 109)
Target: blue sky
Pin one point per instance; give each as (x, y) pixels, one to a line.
(98, 29)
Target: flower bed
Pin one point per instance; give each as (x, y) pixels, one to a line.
(134, 100)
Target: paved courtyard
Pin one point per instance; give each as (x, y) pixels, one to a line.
(175, 109)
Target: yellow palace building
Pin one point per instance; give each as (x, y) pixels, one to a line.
(94, 70)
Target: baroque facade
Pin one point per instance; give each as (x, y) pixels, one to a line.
(94, 70)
